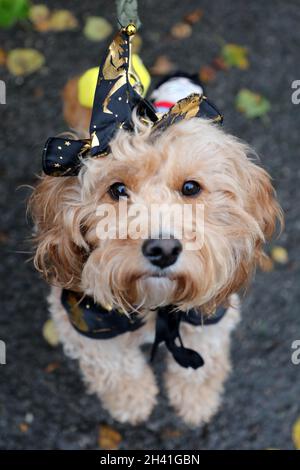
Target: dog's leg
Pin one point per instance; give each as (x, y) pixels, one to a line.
(114, 369)
(196, 394)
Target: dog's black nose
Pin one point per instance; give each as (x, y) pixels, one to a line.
(162, 252)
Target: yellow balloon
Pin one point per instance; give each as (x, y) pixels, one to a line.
(87, 86)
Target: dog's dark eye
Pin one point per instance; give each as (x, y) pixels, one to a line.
(118, 190)
(191, 188)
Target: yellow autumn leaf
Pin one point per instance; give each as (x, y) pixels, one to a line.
(24, 61)
(266, 264)
(38, 13)
(52, 367)
(170, 433)
(97, 28)
(279, 254)
(109, 438)
(59, 20)
(50, 333)
(296, 434)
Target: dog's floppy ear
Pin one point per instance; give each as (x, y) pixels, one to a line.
(261, 203)
(60, 246)
(262, 200)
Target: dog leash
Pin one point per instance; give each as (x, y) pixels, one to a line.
(97, 322)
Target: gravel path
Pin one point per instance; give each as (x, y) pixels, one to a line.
(262, 396)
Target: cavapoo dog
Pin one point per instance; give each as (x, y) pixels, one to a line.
(111, 294)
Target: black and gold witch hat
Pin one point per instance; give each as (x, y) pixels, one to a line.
(118, 92)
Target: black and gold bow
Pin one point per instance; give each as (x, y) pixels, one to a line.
(118, 92)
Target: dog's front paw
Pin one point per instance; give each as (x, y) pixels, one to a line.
(194, 402)
(133, 399)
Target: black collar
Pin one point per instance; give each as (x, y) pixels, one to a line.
(95, 321)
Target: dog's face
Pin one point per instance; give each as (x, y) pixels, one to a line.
(192, 164)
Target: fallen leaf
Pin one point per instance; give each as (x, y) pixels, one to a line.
(23, 427)
(169, 433)
(24, 61)
(43, 26)
(279, 255)
(109, 438)
(252, 104)
(181, 30)
(52, 367)
(194, 16)
(62, 20)
(207, 74)
(162, 66)
(59, 20)
(40, 17)
(2, 57)
(235, 56)
(266, 264)
(97, 28)
(219, 63)
(12, 11)
(136, 44)
(4, 237)
(296, 434)
(50, 333)
(39, 13)
(127, 12)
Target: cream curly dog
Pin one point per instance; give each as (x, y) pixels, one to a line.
(191, 162)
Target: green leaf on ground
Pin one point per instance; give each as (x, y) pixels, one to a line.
(252, 104)
(162, 66)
